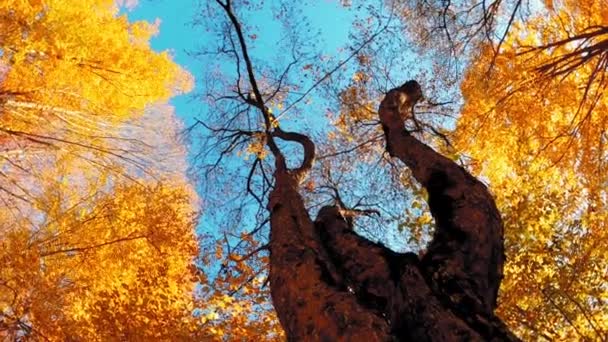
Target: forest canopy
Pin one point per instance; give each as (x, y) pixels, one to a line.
(273, 172)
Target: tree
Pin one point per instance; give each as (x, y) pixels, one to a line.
(330, 284)
(516, 63)
(532, 126)
(75, 79)
(549, 133)
(98, 218)
(115, 268)
(449, 294)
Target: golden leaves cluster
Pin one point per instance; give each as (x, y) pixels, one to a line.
(114, 267)
(93, 247)
(356, 103)
(540, 141)
(84, 57)
(236, 302)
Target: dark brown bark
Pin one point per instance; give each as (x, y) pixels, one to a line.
(466, 256)
(463, 263)
(307, 291)
(328, 283)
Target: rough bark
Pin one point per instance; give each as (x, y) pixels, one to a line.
(388, 283)
(308, 293)
(329, 284)
(466, 255)
(463, 264)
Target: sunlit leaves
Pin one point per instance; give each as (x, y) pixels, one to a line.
(76, 79)
(81, 56)
(90, 266)
(97, 219)
(236, 302)
(537, 134)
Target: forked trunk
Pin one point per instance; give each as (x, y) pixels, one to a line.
(329, 284)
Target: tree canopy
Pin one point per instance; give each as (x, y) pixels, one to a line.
(316, 194)
(98, 218)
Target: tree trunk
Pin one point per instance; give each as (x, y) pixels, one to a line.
(329, 284)
(308, 294)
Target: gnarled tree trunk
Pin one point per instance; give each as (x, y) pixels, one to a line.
(329, 284)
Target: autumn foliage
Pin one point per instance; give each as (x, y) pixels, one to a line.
(94, 247)
(101, 236)
(537, 130)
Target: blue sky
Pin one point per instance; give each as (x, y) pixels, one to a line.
(178, 34)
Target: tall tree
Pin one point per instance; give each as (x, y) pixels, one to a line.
(328, 283)
(97, 227)
(74, 78)
(533, 91)
(537, 131)
(533, 126)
